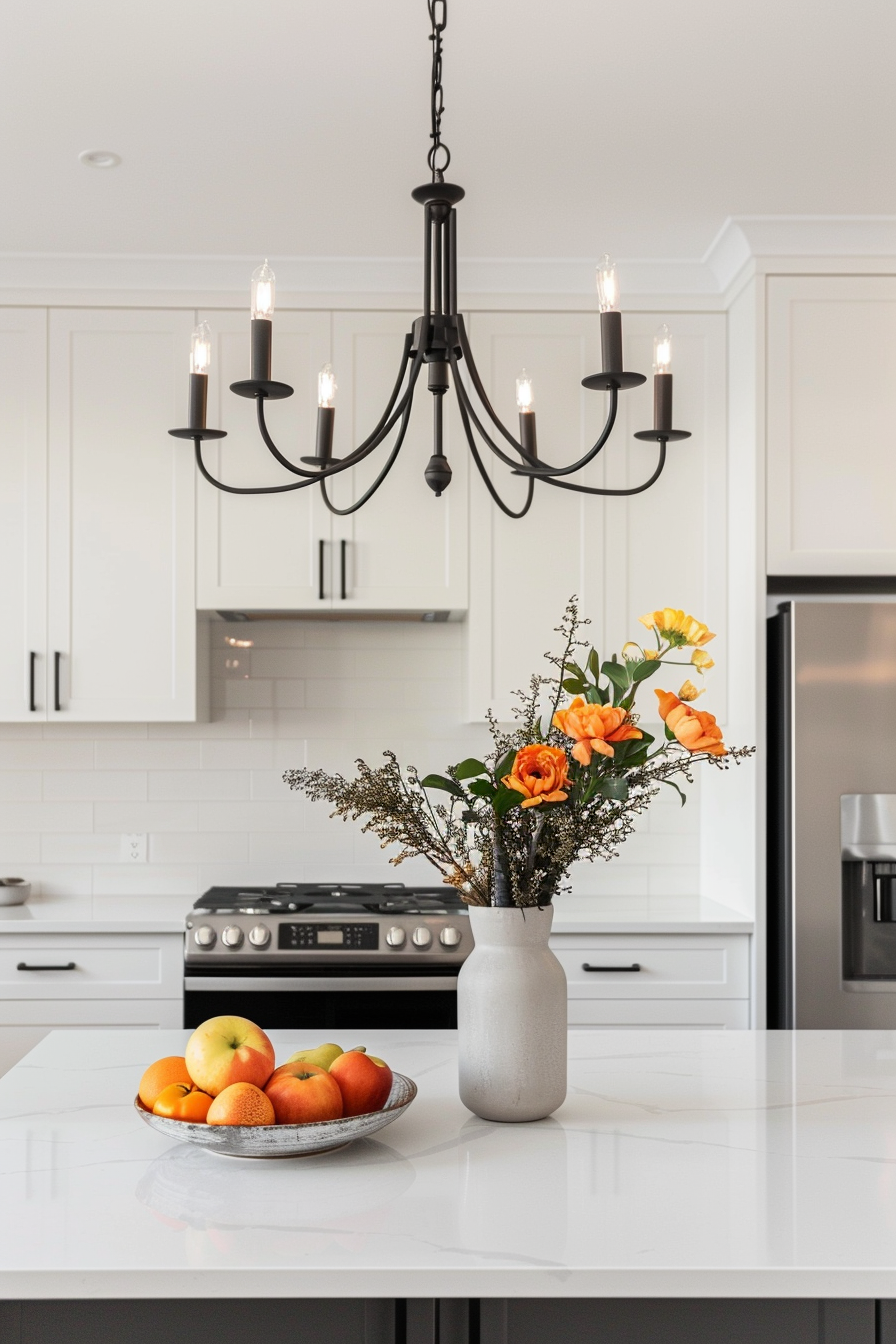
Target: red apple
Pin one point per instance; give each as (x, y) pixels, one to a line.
(301, 1093)
(365, 1082)
(226, 1050)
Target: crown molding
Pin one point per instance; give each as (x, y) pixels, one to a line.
(743, 245)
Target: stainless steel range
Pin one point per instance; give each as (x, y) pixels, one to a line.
(306, 955)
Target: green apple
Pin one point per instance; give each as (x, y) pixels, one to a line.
(321, 1055)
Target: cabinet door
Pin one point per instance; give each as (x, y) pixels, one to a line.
(23, 504)
(263, 552)
(524, 571)
(404, 550)
(121, 517)
(831, 392)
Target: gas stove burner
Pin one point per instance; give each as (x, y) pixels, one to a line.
(336, 898)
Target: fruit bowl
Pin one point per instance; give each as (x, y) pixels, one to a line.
(254, 1141)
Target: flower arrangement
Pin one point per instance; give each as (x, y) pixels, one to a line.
(560, 785)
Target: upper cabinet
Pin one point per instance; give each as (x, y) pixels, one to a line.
(404, 550)
(120, 633)
(831, 407)
(619, 556)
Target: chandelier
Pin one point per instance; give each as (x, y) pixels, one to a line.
(437, 341)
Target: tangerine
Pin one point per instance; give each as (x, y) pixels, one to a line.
(161, 1074)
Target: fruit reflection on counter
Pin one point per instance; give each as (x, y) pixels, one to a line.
(228, 1076)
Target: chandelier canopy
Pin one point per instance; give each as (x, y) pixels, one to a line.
(437, 341)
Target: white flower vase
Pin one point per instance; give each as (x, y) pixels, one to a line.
(511, 1016)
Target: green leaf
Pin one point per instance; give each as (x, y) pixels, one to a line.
(595, 696)
(615, 787)
(670, 736)
(470, 768)
(505, 800)
(573, 686)
(504, 766)
(642, 671)
(594, 663)
(574, 667)
(682, 795)
(617, 673)
(440, 782)
(481, 788)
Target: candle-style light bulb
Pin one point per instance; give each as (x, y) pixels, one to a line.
(525, 395)
(662, 350)
(607, 285)
(201, 349)
(262, 292)
(326, 386)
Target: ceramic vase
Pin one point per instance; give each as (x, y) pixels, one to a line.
(511, 1016)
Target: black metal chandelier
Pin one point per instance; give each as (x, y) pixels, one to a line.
(438, 340)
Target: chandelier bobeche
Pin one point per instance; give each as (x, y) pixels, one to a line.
(438, 340)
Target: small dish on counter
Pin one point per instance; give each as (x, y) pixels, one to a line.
(259, 1141)
(14, 890)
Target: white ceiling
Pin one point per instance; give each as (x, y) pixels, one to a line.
(292, 128)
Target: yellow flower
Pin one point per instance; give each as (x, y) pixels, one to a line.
(676, 626)
(701, 660)
(689, 691)
(651, 654)
(632, 652)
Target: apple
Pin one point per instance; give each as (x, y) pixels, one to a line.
(321, 1055)
(301, 1093)
(364, 1081)
(226, 1050)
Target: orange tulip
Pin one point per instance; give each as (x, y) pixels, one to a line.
(694, 728)
(594, 727)
(539, 773)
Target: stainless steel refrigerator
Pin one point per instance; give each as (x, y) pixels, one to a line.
(832, 814)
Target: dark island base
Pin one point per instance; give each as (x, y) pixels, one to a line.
(451, 1321)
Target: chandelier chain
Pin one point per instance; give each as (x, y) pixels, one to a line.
(439, 155)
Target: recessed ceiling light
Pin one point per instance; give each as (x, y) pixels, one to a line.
(99, 158)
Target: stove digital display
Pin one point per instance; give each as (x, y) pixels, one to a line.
(355, 937)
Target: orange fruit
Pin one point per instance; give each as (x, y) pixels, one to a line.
(180, 1102)
(171, 1069)
(241, 1104)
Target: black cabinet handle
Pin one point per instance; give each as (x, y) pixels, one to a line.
(32, 660)
(320, 570)
(57, 662)
(634, 967)
(343, 546)
(23, 966)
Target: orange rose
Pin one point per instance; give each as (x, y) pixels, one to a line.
(694, 728)
(594, 727)
(540, 773)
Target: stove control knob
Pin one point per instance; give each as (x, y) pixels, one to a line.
(449, 937)
(260, 936)
(204, 936)
(396, 937)
(421, 937)
(232, 936)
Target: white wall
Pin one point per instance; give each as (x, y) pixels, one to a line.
(210, 796)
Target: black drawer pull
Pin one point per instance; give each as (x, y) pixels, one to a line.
(635, 966)
(57, 702)
(32, 661)
(23, 966)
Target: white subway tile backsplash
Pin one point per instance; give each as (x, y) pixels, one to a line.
(211, 798)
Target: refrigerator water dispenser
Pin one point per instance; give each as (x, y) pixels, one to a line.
(868, 867)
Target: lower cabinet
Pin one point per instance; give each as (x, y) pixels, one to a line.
(656, 980)
(62, 982)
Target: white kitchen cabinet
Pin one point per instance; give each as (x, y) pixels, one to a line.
(263, 552)
(23, 511)
(404, 551)
(619, 556)
(831, 403)
(121, 623)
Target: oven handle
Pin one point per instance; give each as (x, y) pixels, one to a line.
(263, 984)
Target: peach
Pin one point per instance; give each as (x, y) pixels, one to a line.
(240, 1104)
(227, 1050)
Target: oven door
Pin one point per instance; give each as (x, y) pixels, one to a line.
(319, 999)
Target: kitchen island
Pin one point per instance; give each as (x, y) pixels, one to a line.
(683, 1165)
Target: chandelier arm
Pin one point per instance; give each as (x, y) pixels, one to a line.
(480, 465)
(545, 472)
(595, 490)
(244, 489)
(353, 508)
(475, 379)
(465, 402)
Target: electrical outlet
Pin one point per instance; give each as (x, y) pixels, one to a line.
(133, 848)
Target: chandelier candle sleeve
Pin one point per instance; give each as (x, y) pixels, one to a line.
(326, 414)
(525, 401)
(262, 307)
(610, 316)
(662, 380)
(200, 358)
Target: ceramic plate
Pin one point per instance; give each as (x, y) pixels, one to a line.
(285, 1140)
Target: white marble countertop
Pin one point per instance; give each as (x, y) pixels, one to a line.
(573, 914)
(683, 1164)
